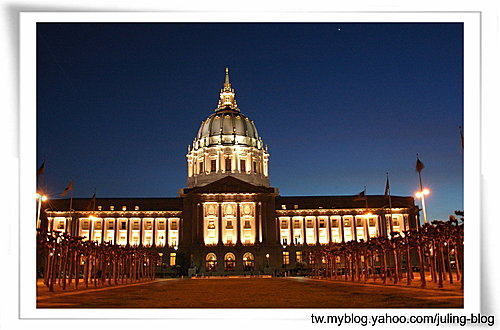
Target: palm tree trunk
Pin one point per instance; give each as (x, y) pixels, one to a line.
(422, 264)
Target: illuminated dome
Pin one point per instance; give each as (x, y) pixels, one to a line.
(227, 143)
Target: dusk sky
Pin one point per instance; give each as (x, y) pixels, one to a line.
(339, 105)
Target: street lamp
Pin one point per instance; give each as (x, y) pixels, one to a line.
(40, 198)
(421, 194)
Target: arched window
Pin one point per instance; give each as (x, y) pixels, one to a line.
(229, 262)
(210, 262)
(248, 262)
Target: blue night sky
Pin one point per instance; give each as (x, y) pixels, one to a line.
(338, 105)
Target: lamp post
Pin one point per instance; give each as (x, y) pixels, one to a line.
(40, 198)
(421, 194)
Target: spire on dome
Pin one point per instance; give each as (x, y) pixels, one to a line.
(227, 99)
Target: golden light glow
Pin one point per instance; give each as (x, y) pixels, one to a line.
(424, 192)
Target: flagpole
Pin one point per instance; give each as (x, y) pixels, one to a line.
(390, 203)
(422, 192)
(70, 213)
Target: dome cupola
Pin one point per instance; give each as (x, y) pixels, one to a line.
(227, 143)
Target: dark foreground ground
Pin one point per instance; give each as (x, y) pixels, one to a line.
(251, 293)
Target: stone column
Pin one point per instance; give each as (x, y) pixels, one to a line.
(316, 225)
(367, 231)
(290, 223)
(238, 224)
(342, 239)
(257, 222)
(219, 224)
(353, 228)
(304, 231)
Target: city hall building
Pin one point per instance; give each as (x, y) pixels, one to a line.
(228, 219)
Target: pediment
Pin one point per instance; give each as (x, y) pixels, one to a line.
(228, 184)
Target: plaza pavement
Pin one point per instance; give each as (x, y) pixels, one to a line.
(292, 292)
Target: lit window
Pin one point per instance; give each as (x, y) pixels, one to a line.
(298, 256)
(99, 208)
(335, 223)
(112, 208)
(229, 224)
(172, 259)
(286, 258)
(136, 208)
(85, 225)
(124, 208)
(98, 225)
(347, 222)
(247, 224)
(296, 223)
(173, 225)
(372, 222)
(211, 224)
(283, 207)
(135, 225)
(295, 206)
(284, 224)
(147, 225)
(310, 223)
(359, 222)
(161, 225)
(111, 225)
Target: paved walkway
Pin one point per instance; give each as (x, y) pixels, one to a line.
(251, 293)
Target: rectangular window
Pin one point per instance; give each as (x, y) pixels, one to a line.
(147, 225)
(136, 207)
(173, 225)
(286, 258)
(228, 164)
(124, 208)
(284, 224)
(85, 225)
(296, 223)
(347, 222)
(123, 225)
(395, 222)
(112, 208)
(372, 222)
(201, 167)
(335, 223)
(99, 208)
(213, 165)
(135, 225)
(298, 256)
(98, 225)
(310, 223)
(359, 222)
(111, 225)
(172, 259)
(255, 167)
(247, 224)
(243, 166)
(295, 206)
(283, 206)
(321, 223)
(211, 224)
(161, 225)
(229, 224)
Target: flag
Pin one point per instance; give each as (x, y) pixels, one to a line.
(68, 188)
(92, 203)
(419, 166)
(361, 196)
(387, 187)
(41, 169)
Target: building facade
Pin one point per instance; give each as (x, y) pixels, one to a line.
(228, 219)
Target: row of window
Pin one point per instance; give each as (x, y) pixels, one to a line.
(229, 224)
(135, 225)
(112, 208)
(228, 167)
(334, 223)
